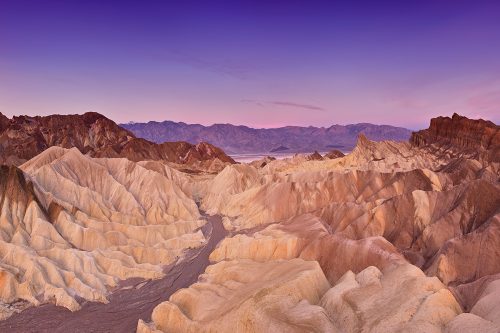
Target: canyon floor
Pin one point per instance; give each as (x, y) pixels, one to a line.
(134, 299)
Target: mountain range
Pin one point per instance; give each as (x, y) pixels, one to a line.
(235, 139)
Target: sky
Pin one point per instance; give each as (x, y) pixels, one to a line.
(256, 63)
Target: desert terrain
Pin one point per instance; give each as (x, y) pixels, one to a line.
(101, 231)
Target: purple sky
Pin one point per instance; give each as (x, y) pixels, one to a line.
(270, 64)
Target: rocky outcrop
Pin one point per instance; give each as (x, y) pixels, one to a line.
(398, 299)
(294, 296)
(474, 136)
(260, 163)
(256, 199)
(314, 157)
(460, 131)
(24, 137)
(332, 154)
(247, 296)
(72, 226)
(481, 300)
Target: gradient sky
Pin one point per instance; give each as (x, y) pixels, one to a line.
(270, 64)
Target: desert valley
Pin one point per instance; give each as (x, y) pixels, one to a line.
(249, 166)
(103, 231)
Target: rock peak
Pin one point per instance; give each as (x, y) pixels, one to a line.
(362, 140)
(460, 131)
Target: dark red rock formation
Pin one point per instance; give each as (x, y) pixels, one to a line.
(315, 157)
(459, 136)
(23, 137)
(15, 190)
(262, 162)
(334, 154)
(4, 122)
(459, 131)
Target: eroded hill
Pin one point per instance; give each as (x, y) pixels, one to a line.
(24, 137)
(395, 236)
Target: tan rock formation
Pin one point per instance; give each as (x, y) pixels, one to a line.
(246, 296)
(399, 299)
(294, 296)
(393, 237)
(371, 211)
(72, 226)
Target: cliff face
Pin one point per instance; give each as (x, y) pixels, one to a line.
(23, 137)
(459, 131)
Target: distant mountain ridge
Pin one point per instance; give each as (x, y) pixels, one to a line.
(241, 139)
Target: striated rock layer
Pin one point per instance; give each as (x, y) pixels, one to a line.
(72, 227)
(481, 299)
(406, 235)
(294, 296)
(393, 237)
(459, 131)
(475, 136)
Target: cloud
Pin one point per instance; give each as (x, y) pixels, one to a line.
(297, 105)
(253, 101)
(227, 67)
(284, 103)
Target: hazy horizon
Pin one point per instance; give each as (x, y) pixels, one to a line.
(259, 65)
(208, 124)
(257, 127)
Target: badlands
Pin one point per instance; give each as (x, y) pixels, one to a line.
(392, 237)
